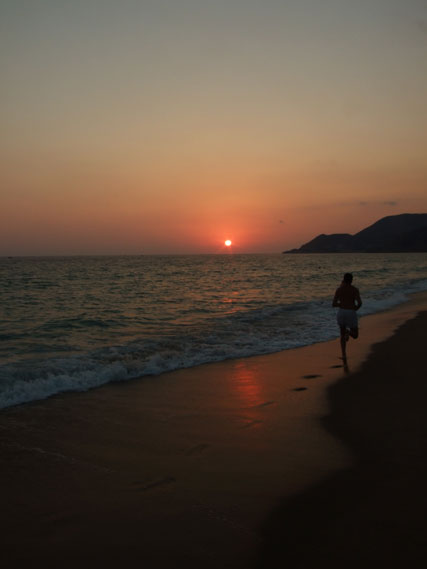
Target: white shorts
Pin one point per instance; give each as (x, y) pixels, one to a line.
(347, 318)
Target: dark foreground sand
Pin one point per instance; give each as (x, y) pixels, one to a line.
(261, 462)
(373, 514)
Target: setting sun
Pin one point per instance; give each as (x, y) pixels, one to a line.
(227, 242)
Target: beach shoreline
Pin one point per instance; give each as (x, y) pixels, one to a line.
(182, 469)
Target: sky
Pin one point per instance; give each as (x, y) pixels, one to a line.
(168, 126)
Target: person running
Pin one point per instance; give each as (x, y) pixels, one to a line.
(348, 301)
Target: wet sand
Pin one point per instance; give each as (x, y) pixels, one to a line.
(265, 461)
(372, 514)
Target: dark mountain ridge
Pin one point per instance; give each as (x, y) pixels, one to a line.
(406, 232)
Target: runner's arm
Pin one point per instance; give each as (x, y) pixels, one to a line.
(357, 300)
(336, 301)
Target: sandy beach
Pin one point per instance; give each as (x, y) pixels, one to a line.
(280, 460)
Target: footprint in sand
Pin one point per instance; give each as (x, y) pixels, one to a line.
(311, 376)
(198, 449)
(299, 389)
(251, 423)
(265, 404)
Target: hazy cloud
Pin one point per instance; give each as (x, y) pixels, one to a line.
(349, 204)
(390, 203)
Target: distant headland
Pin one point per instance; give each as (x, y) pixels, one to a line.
(402, 233)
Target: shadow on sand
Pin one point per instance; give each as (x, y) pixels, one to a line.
(373, 514)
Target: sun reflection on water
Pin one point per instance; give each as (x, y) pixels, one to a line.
(246, 382)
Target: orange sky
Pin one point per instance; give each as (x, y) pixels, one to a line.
(167, 127)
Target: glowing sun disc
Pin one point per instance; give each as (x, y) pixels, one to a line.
(227, 242)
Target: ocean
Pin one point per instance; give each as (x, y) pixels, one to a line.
(75, 323)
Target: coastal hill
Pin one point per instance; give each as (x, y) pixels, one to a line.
(406, 232)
